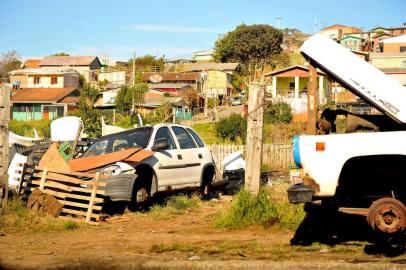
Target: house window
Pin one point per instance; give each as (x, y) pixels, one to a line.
(54, 80)
(36, 80)
(16, 87)
(403, 49)
(403, 63)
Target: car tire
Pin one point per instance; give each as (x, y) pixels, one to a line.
(141, 198)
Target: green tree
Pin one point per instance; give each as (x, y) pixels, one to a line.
(253, 46)
(9, 61)
(60, 54)
(129, 95)
(91, 117)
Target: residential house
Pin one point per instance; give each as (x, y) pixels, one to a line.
(388, 60)
(352, 42)
(216, 77)
(31, 63)
(398, 74)
(290, 85)
(337, 31)
(203, 56)
(87, 66)
(44, 78)
(395, 44)
(43, 103)
(115, 77)
(172, 81)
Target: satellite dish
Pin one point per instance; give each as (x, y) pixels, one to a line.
(156, 78)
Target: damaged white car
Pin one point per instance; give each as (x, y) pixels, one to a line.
(179, 160)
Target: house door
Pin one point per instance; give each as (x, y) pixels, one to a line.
(46, 113)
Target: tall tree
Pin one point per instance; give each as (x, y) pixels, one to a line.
(89, 115)
(9, 61)
(147, 63)
(129, 95)
(190, 95)
(253, 46)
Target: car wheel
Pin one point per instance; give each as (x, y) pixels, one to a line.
(141, 198)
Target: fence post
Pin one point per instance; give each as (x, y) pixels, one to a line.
(254, 136)
(92, 197)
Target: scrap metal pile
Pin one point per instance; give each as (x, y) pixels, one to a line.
(53, 178)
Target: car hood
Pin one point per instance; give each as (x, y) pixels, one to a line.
(381, 91)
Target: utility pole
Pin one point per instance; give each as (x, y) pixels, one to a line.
(4, 144)
(315, 25)
(312, 100)
(256, 97)
(278, 20)
(134, 69)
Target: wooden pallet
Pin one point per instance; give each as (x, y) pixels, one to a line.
(80, 193)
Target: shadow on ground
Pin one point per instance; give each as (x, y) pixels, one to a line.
(325, 225)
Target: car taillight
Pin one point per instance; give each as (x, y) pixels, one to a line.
(320, 146)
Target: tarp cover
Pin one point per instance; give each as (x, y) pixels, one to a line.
(89, 163)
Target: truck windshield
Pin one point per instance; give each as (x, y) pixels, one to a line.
(138, 137)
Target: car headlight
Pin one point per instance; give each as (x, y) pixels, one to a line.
(111, 170)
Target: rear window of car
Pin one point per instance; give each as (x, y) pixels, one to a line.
(199, 141)
(184, 139)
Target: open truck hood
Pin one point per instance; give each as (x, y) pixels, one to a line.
(381, 91)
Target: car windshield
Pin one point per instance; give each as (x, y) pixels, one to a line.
(138, 137)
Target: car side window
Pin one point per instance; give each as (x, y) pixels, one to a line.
(164, 133)
(184, 139)
(196, 137)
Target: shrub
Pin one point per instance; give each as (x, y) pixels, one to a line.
(266, 209)
(232, 127)
(278, 113)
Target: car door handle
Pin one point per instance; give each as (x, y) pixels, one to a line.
(179, 156)
(200, 156)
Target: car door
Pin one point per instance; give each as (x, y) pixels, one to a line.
(171, 170)
(189, 155)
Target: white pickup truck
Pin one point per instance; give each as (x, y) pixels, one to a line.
(362, 173)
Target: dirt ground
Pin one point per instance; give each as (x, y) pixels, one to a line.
(182, 241)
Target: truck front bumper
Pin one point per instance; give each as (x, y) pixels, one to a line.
(300, 193)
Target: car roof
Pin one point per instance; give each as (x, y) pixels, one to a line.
(156, 126)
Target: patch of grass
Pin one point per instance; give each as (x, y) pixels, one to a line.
(175, 205)
(70, 225)
(183, 202)
(16, 218)
(26, 128)
(207, 131)
(267, 208)
(180, 247)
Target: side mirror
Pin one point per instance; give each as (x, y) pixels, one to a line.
(160, 144)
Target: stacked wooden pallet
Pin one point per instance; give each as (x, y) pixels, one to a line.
(80, 193)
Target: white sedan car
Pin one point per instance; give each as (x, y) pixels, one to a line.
(180, 160)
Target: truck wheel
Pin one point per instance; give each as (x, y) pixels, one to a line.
(387, 215)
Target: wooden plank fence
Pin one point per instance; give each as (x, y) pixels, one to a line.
(278, 157)
(79, 193)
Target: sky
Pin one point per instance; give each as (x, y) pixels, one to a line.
(169, 28)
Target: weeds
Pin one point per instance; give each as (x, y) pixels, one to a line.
(15, 217)
(175, 205)
(161, 248)
(265, 209)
